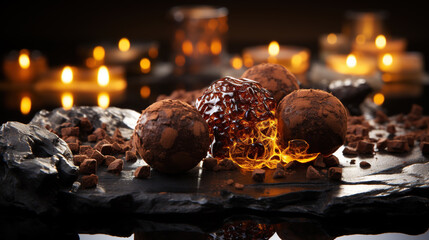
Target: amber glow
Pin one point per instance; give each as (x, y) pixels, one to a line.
(67, 75)
(153, 52)
(247, 60)
(378, 99)
(187, 48)
(262, 150)
(202, 47)
(90, 62)
(351, 61)
(216, 47)
(67, 101)
(124, 44)
(273, 48)
(24, 59)
(331, 38)
(103, 100)
(236, 62)
(145, 91)
(360, 39)
(103, 77)
(180, 60)
(98, 53)
(387, 59)
(25, 105)
(380, 41)
(145, 65)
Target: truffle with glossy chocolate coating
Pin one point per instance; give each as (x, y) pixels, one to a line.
(171, 136)
(273, 77)
(316, 116)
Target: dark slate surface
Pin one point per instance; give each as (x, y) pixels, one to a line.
(395, 185)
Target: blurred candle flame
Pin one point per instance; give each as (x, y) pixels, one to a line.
(67, 100)
(153, 52)
(380, 41)
(124, 44)
(24, 59)
(360, 39)
(98, 53)
(236, 62)
(145, 91)
(387, 59)
(351, 61)
(216, 47)
(187, 48)
(331, 38)
(273, 48)
(103, 77)
(145, 65)
(25, 105)
(378, 99)
(103, 100)
(180, 60)
(67, 75)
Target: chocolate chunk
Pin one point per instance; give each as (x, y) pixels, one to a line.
(319, 162)
(117, 148)
(353, 161)
(290, 165)
(88, 166)
(71, 139)
(349, 151)
(238, 186)
(108, 159)
(397, 146)
(100, 144)
(279, 173)
(106, 149)
(331, 161)
(312, 173)
(83, 149)
(280, 165)
(365, 147)
(116, 166)
(424, 146)
(258, 175)
(410, 138)
(335, 173)
(364, 164)
(382, 144)
(391, 128)
(74, 147)
(130, 156)
(85, 125)
(361, 131)
(97, 156)
(70, 131)
(89, 181)
(117, 136)
(226, 165)
(229, 182)
(142, 172)
(381, 117)
(78, 159)
(100, 133)
(415, 113)
(400, 118)
(209, 163)
(92, 138)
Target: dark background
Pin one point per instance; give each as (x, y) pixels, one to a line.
(58, 28)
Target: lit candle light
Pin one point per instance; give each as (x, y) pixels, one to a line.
(187, 48)
(98, 53)
(67, 75)
(67, 101)
(145, 91)
(25, 105)
(145, 65)
(236, 62)
(351, 64)
(24, 66)
(103, 100)
(404, 66)
(380, 41)
(378, 99)
(273, 51)
(103, 77)
(124, 44)
(24, 59)
(216, 46)
(380, 46)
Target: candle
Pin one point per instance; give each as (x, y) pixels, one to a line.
(333, 43)
(127, 52)
(235, 67)
(405, 62)
(380, 45)
(295, 59)
(24, 66)
(351, 64)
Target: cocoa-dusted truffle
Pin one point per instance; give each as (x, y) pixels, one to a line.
(316, 116)
(171, 136)
(273, 77)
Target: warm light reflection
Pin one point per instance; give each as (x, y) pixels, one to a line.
(331, 38)
(90, 62)
(202, 47)
(25, 105)
(247, 60)
(67, 75)
(187, 48)
(180, 60)
(380, 41)
(103, 100)
(378, 99)
(236, 62)
(124, 44)
(67, 101)
(273, 48)
(360, 39)
(145, 91)
(153, 52)
(103, 77)
(351, 61)
(387, 59)
(24, 59)
(216, 47)
(98, 53)
(298, 59)
(145, 65)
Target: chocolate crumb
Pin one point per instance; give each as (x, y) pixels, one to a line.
(78, 159)
(108, 159)
(365, 147)
(353, 161)
(424, 146)
(280, 165)
(319, 162)
(258, 175)
(381, 117)
(89, 181)
(279, 173)
(226, 165)
(382, 144)
(107, 149)
(335, 173)
(142, 172)
(331, 161)
(391, 128)
(130, 156)
(238, 186)
(209, 163)
(116, 166)
(364, 164)
(350, 151)
(88, 166)
(74, 147)
(84, 148)
(229, 182)
(397, 146)
(312, 173)
(97, 156)
(92, 138)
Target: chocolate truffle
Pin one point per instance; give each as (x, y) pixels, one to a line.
(315, 116)
(171, 136)
(273, 77)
